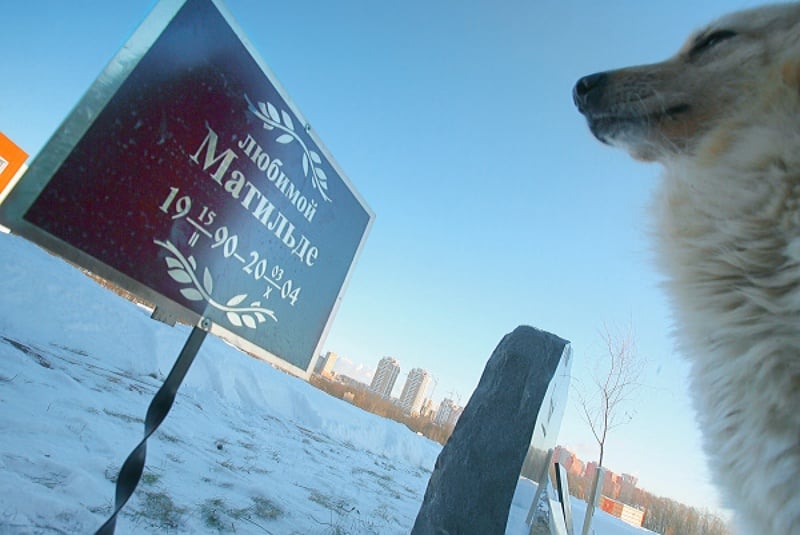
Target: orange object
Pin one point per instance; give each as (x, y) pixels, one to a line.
(11, 159)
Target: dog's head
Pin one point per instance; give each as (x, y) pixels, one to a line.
(665, 110)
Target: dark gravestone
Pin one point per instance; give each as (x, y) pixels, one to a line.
(473, 482)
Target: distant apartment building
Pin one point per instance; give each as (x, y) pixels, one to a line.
(448, 413)
(591, 470)
(571, 463)
(414, 391)
(428, 409)
(612, 485)
(385, 377)
(628, 488)
(626, 513)
(617, 487)
(324, 365)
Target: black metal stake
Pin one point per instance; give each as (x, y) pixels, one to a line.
(132, 468)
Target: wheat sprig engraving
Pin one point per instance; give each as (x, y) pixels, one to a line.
(274, 119)
(183, 270)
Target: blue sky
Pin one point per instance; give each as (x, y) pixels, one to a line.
(495, 207)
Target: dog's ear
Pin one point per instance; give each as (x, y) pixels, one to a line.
(790, 73)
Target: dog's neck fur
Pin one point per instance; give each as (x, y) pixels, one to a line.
(728, 229)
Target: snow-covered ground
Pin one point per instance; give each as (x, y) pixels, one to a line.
(245, 448)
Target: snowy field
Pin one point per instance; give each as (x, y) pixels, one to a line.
(245, 448)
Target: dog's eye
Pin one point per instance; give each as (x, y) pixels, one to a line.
(707, 41)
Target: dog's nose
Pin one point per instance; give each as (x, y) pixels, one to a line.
(588, 89)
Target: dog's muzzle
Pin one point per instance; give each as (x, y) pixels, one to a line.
(589, 96)
(588, 93)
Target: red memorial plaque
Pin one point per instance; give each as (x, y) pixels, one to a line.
(187, 176)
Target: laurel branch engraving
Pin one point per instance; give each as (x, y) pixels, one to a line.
(184, 271)
(282, 121)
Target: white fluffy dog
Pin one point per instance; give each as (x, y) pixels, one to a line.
(723, 117)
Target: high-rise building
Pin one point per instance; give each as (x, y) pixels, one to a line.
(414, 390)
(385, 377)
(448, 412)
(427, 410)
(324, 364)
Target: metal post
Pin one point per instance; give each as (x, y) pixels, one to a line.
(563, 496)
(594, 498)
(132, 468)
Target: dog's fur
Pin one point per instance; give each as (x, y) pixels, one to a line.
(723, 117)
